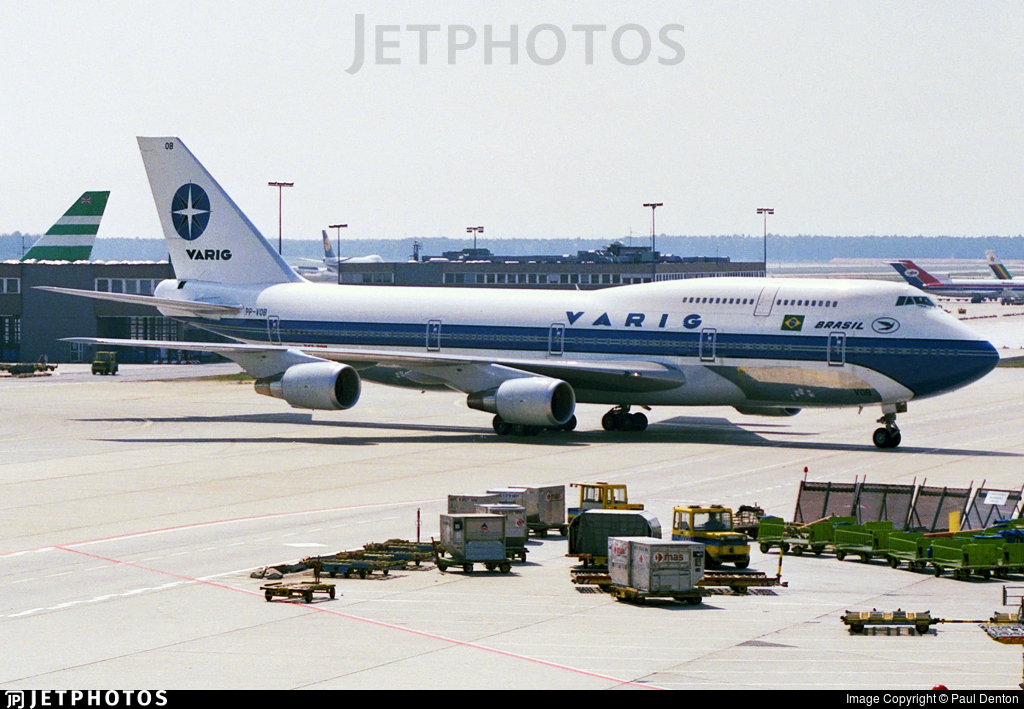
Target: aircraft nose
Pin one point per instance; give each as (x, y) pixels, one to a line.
(969, 362)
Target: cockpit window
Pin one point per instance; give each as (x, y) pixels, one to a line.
(921, 300)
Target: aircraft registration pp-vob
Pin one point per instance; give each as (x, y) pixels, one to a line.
(764, 346)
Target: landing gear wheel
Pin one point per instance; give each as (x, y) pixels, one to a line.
(569, 425)
(889, 436)
(619, 419)
(501, 426)
(608, 421)
(638, 422)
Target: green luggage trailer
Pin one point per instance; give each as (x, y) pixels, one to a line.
(815, 537)
(964, 556)
(866, 540)
(910, 548)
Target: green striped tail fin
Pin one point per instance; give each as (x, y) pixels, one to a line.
(72, 237)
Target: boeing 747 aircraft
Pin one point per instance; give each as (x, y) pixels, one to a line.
(329, 265)
(764, 346)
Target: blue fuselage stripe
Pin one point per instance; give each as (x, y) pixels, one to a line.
(913, 362)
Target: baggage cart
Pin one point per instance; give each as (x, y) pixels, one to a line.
(964, 556)
(909, 547)
(816, 537)
(856, 621)
(545, 508)
(301, 589)
(516, 531)
(866, 540)
(468, 539)
(649, 567)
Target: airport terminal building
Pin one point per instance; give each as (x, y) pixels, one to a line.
(33, 322)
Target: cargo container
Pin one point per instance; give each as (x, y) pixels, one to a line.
(589, 532)
(649, 567)
(515, 527)
(466, 504)
(473, 538)
(545, 508)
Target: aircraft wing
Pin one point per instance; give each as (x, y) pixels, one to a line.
(189, 307)
(462, 372)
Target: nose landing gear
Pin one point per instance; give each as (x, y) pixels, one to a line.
(889, 436)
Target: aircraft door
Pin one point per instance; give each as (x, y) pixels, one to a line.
(274, 329)
(433, 336)
(556, 339)
(765, 301)
(836, 349)
(707, 344)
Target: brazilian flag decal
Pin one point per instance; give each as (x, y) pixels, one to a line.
(793, 323)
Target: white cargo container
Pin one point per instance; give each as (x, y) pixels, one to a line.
(545, 507)
(516, 531)
(472, 538)
(643, 567)
(510, 495)
(466, 504)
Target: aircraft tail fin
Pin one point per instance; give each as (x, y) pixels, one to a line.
(914, 274)
(328, 251)
(997, 266)
(208, 237)
(73, 236)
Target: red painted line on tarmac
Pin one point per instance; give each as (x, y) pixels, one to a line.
(214, 523)
(378, 623)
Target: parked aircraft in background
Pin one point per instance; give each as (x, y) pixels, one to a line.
(997, 266)
(328, 267)
(764, 346)
(73, 236)
(976, 289)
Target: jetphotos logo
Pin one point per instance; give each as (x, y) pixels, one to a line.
(543, 44)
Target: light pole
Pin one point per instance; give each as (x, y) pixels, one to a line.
(653, 206)
(474, 230)
(765, 211)
(338, 228)
(279, 185)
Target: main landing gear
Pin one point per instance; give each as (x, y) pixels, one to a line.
(889, 436)
(619, 419)
(504, 428)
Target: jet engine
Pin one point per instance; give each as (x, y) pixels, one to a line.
(314, 385)
(531, 401)
(768, 410)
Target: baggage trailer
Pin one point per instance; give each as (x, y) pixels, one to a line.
(909, 547)
(516, 532)
(648, 567)
(589, 532)
(964, 556)
(545, 509)
(866, 540)
(470, 539)
(816, 537)
(301, 589)
(856, 621)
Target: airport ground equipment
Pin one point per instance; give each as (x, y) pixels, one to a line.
(104, 363)
(816, 536)
(712, 526)
(589, 532)
(866, 540)
(911, 548)
(602, 496)
(462, 504)
(28, 369)
(964, 556)
(545, 508)
(401, 550)
(857, 621)
(649, 567)
(748, 520)
(468, 539)
(300, 589)
(516, 532)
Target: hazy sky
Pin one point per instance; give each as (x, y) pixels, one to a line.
(846, 117)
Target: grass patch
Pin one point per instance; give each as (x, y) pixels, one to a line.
(236, 377)
(1017, 362)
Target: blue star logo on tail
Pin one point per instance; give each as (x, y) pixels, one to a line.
(190, 211)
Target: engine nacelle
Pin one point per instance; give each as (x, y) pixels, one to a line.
(531, 401)
(314, 385)
(768, 410)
